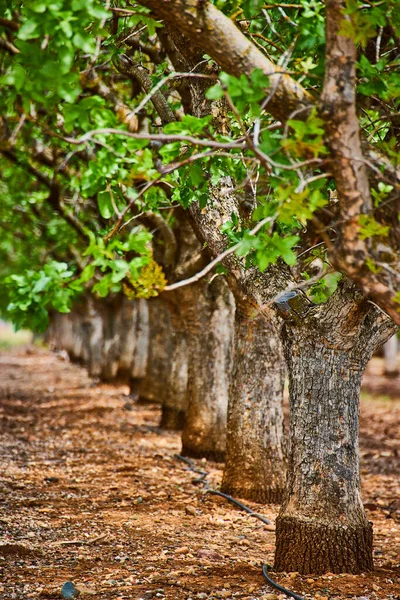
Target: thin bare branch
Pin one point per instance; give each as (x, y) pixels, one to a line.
(217, 259)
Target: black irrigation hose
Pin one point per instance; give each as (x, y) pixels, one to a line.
(278, 587)
(240, 505)
(202, 479)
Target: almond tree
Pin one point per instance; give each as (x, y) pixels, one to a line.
(289, 177)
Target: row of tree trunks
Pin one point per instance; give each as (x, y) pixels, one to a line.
(109, 337)
(181, 350)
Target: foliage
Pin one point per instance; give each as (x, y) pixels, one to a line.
(32, 294)
(65, 184)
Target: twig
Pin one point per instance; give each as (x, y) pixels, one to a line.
(216, 260)
(166, 170)
(164, 81)
(160, 137)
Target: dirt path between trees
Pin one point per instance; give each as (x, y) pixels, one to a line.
(91, 493)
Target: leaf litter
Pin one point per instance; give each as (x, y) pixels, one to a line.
(92, 496)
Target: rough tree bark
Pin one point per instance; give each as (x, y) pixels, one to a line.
(343, 332)
(151, 387)
(209, 311)
(322, 524)
(202, 317)
(175, 398)
(165, 380)
(255, 453)
(343, 138)
(260, 447)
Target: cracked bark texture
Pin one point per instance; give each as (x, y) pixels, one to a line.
(255, 452)
(165, 380)
(213, 32)
(322, 526)
(209, 312)
(175, 399)
(310, 543)
(202, 315)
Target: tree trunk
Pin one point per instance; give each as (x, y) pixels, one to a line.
(140, 351)
(111, 340)
(127, 342)
(322, 526)
(174, 402)
(255, 466)
(209, 311)
(391, 358)
(165, 379)
(94, 339)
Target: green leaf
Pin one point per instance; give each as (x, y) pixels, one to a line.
(370, 227)
(84, 41)
(105, 204)
(27, 31)
(215, 92)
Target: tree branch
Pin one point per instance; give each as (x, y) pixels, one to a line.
(217, 35)
(338, 108)
(218, 259)
(137, 73)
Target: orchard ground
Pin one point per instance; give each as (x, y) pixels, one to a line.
(91, 493)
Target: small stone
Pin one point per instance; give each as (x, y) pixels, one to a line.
(68, 590)
(269, 527)
(138, 500)
(293, 574)
(375, 587)
(223, 594)
(202, 596)
(269, 597)
(190, 510)
(310, 581)
(182, 550)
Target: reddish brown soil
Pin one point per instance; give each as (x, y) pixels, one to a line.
(91, 493)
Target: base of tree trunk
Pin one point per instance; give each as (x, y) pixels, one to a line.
(172, 419)
(254, 492)
(309, 547)
(215, 455)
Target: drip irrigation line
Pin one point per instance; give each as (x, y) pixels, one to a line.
(278, 587)
(203, 479)
(240, 505)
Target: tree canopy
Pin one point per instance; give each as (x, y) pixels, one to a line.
(276, 125)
